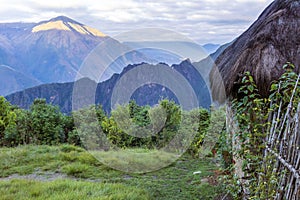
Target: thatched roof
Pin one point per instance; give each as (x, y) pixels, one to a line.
(263, 49)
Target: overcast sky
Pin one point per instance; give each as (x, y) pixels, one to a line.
(205, 21)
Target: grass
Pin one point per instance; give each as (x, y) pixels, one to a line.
(175, 181)
(136, 160)
(68, 189)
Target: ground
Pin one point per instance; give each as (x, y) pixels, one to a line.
(68, 172)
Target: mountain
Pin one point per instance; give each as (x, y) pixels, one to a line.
(52, 51)
(170, 50)
(61, 50)
(62, 94)
(56, 49)
(271, 41)
(211, 48)
(161, 55)
(205, 65)
(15, 79)
(180, 50)
(173, 52)
(220, 50)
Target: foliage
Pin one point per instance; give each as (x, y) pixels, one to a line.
(46, 122)
(139, 114)
(203, 124)
(252, 116)
(131, 126)
(88, 128)
(41, 124)
(7, 122)
(127, 126)
(144, 127)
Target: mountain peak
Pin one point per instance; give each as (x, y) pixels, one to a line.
(63, 23)
(64, 19)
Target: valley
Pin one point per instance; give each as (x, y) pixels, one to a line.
(149, 113)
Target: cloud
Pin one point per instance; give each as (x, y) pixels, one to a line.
(217, 21)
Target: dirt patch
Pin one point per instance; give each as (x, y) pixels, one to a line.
(39, 176)
(45, 176)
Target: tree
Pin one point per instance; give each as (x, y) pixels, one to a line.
(88, 128)
(203, 121)
(172, 123)
(7, 121)
(46, 122)
(139, 114)
(22, 133)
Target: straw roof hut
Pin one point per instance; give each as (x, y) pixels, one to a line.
(263, 49)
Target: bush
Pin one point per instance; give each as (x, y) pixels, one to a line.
(129, 126)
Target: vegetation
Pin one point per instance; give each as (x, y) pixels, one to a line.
(86, 176)
(129, 126)
(7, 121)
(67, 190)
(252, 112)
(42, 124)
(52, 146)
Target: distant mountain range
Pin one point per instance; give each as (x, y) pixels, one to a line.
(45, 59)
(12, 80)
(61, 94)
(211, 48)
(52, 52)
(33, 54)
(49, 52)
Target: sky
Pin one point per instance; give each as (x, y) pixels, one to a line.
(204, 21)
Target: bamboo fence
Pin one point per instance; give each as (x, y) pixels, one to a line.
(282, 143)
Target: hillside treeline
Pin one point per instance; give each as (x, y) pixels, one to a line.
(125, 127)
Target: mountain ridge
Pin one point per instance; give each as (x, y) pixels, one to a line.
(64, 23)
(51, 55)
(61, 93)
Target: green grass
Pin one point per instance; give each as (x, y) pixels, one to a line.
(175, 181)
(68, 189)
(136, 160)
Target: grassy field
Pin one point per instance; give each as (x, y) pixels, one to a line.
(67, 189)
(68, 172)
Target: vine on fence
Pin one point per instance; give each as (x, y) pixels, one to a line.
(253, 114)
